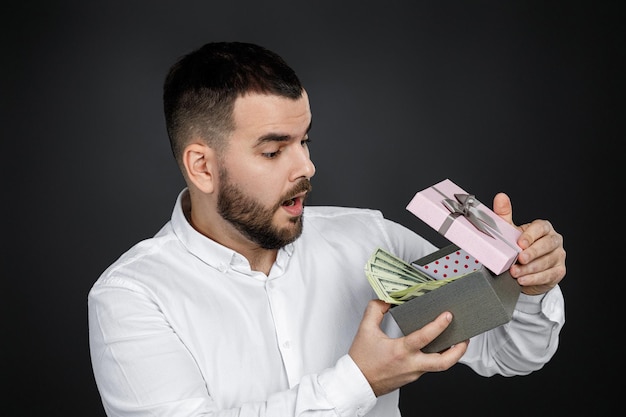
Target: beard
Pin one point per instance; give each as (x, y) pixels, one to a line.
(253, 219)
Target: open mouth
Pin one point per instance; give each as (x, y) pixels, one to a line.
(294, 205)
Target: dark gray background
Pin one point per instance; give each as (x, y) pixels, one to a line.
(498, 96)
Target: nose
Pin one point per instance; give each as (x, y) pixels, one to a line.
(310, 168)
(303, 166)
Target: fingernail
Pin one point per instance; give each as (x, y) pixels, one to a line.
(524, 257)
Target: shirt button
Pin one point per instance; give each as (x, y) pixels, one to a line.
(286, 344)
(223, 267)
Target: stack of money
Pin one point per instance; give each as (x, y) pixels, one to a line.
(396, 281)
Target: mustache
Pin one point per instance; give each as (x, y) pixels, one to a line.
(303, 186)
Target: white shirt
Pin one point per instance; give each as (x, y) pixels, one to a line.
(181, 326)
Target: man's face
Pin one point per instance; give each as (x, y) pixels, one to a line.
(264, 175)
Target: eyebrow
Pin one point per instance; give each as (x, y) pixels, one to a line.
(273, 137)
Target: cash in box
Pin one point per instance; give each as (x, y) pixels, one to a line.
(479, 301)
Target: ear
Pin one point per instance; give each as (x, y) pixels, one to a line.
(200, 163)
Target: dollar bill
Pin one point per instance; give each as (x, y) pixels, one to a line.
(396, 281)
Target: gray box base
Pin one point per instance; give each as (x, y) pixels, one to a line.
(479, 301)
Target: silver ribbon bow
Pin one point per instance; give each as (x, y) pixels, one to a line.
(466, 205)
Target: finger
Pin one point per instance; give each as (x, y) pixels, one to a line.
(441, 361)
(536, 231)
(502, 207)
(374, 312)
(541, 264)
(538, 282)
(419, 338)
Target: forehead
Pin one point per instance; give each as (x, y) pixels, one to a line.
(264, 113)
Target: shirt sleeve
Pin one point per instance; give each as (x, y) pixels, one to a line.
(143, 369)
(524, 344)
(405, 243)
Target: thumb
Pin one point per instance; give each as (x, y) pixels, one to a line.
(502, 207)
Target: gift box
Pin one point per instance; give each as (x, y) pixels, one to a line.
(466, 222)
(478, 301)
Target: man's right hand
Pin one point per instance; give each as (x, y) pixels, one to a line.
(388, 363)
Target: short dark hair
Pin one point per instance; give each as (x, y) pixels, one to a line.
(200, 90)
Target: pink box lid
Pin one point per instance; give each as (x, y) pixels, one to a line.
(468, 223)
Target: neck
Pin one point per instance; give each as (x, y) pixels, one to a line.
(260, 260)
(213, 226)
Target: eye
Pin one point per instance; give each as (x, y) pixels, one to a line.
(305, 142)
(271, 155)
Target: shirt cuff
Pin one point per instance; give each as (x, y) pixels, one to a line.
(530, 304)
(347, 388)
(547, 303)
